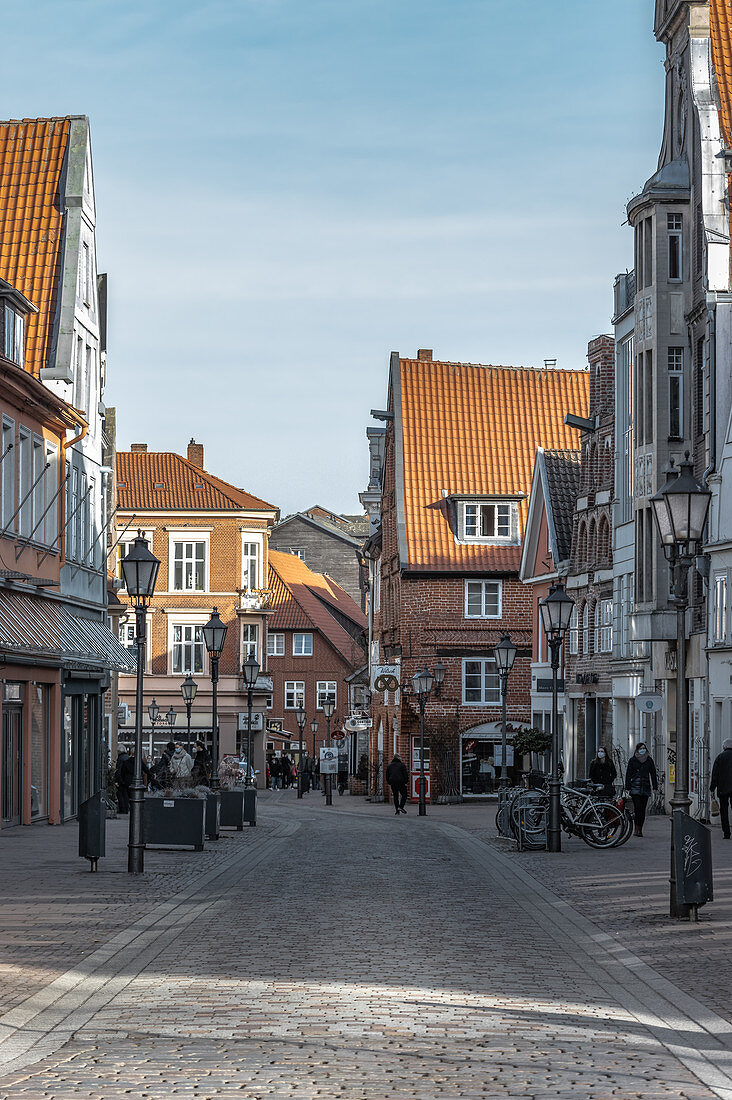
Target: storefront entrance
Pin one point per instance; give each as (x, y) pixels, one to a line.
(12, 765)
(479, 771)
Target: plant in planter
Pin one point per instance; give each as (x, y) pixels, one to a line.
(176, 816)
(232, 797)
(531, 742)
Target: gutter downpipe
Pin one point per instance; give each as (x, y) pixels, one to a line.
(704, 794)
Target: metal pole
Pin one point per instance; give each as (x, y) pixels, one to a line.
(215, 723)
(299, 764)
(135, 847)
(329, 777)
(422, 781)
(680, 801)
(554, 831)
(188, 713)
(250, 769)
(504, 689)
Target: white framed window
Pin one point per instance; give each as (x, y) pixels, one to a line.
(128, 638)
(302, 645)
(719, 626)
(14, 335)
(294, 694)
(674, 228)
(250, 554)
(39, 475)
(574, 632)
(483, 599)
(25, 480)
(49, 531)
(275, 645)
(586, 628)
(189, 566)
(124, 547)
(596, 629)
(8, 469)
(298, 551)
(496, 521)
(188, 648)
(326, 692)
(676, 392)
(249, 638)
(606, 626)
(85, 274)
(481, 682)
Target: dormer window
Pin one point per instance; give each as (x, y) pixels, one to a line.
(488, 521)
(14, 335)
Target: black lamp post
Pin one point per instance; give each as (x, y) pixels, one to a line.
(314, 729)
(153, 713)
(214, 636)
(680, 508)
(556, 615)
(328, 709)
(504, 654)
(422, 682)
(140, 571)
(170, 718)
(188, 690)
(250, 672)
(301, 718)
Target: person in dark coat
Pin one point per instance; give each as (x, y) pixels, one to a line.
(721, 782)
(127, 773)
(201, 771)
(123, 791)
(397, 777)
(640, 780)
(604, 772)
(286, 770)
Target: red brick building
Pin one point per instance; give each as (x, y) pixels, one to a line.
(458, 456)
(212, 542)
(316, 640)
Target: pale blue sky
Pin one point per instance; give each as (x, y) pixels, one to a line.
(288, 190)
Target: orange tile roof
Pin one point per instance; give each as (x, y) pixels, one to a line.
(32, 160)
(148, 481)
(720, 22)
(469, 429)
(298, 597)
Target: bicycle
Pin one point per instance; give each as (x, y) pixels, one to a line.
(600, 823)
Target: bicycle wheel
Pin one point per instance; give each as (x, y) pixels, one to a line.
(602, 825)
(629, 825)
(528, 819)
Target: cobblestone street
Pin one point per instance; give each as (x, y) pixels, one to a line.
(341, 952)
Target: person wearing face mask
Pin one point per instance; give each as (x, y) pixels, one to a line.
(603, 771)
(640, 780)
(721, 782)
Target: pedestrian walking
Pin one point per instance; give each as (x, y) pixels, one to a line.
(721, 782)
(603, 772)
(163, 772)
(127, 773)
(275, 770)
(285, 770)
(640, 780)
(201, 771)
(123, 791)
(181, 765)
(316, 774)
(397, 777)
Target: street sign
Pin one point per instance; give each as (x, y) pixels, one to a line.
(257, 720)
(357, 724)
(329, 761)
(339, 735)
(649, 702)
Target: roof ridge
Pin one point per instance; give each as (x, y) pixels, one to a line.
(496, 366)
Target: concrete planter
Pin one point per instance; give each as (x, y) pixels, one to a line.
(175, 822)
(232, 809)
(213, 815)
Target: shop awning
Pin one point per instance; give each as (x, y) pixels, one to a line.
(35, 627)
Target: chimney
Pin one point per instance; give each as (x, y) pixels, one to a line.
(195, 453)
(138, 448)
(424, 355)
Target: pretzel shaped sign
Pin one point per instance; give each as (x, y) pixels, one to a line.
(386, 683)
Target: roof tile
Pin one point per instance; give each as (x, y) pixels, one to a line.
(148, 480)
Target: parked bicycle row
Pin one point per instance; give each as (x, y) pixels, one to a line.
(587, 811)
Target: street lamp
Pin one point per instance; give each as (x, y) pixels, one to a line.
(301, 718)
(439, 674)
(140, 571)
(556, 615)
(188, 690)
(314, 728)
(680, 508)
(170, 717)
(504, 654)
(422, 682)
(214, 636)
(328, 709)
(250, 672)
(153, 712)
